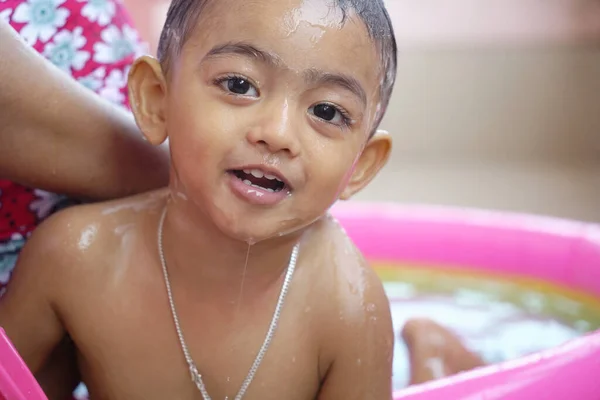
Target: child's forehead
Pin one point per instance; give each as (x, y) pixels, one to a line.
(305, 34)
(316, 12)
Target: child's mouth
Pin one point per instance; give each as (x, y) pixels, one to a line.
(258, 179)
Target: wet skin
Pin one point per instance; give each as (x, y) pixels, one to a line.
(281, 87)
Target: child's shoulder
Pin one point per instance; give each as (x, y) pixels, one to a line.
(344, 274)
(354, 309)
(338, 255)
(85, 232)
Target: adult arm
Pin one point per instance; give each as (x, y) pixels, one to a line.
(57, 135)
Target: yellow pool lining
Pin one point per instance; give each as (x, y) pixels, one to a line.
(388, 271)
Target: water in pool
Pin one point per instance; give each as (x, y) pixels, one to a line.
(498, 317)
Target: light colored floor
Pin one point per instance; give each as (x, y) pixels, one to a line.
(567, 192)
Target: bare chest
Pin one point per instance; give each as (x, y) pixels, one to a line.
(129, 347)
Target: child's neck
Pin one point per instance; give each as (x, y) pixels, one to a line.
(200, 254)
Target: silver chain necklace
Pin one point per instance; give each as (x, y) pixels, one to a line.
(195, 375)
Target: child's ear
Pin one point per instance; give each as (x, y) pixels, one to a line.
(147, 93)
(372, 159)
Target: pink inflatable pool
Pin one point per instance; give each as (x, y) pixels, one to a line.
(562, 252)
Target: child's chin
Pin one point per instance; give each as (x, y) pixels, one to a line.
(254, 227)
(253, 234)
(255, 230)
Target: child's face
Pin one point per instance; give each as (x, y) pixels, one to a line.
(278, 88)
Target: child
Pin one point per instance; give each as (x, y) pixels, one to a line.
(233, 282)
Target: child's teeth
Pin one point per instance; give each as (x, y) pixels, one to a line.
(270, 177)
(247, 182)
(257, 173)
(247, 171)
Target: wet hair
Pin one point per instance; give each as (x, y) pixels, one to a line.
(184, 14)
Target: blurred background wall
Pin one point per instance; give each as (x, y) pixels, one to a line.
(497, 104)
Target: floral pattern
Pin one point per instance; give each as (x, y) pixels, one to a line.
(9, 251)
(100, 11)
(45, 203)
(116, 44)
(113, 84)
(5, 15)
(94, 80)
(65, 50)
(42, 18)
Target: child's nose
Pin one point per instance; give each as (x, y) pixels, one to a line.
(276, 131)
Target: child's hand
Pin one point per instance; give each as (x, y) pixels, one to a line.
(435, 352)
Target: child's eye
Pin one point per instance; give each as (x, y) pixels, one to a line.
(330, 113)
(238, 85)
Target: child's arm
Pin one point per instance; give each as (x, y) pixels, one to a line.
(363, 345)
(27, 311)
(59, 136)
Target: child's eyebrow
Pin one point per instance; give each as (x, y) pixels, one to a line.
(318, 77)
(313, 76)
(243, 49)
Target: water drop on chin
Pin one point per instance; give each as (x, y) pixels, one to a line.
(251, 241)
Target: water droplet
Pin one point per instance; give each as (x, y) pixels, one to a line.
(371, 307)
(182, 196)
